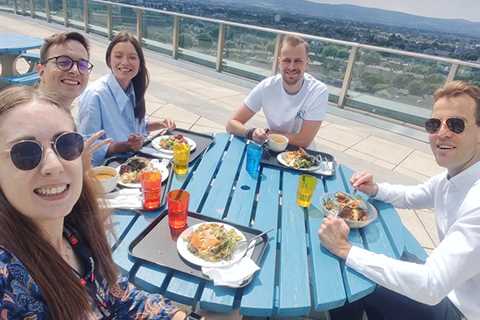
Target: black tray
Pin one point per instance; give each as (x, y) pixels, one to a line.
(269, 158)
(202, 140)
(157, 244)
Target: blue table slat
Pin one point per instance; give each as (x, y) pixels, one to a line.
(356, 285)
(392, 226)
(14, 43)
(240, 209)
(221, 299)
(201, 178)
(121, 220)
(413, 247)
(179, 286)
(219, 193)
(374, 235)
(258, 297)
(294, 287)
(328, 290)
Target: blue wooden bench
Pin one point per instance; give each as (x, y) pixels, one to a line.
(33, 58)
(26, 79)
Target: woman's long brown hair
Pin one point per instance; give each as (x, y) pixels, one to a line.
(141, 80)
(65, 297)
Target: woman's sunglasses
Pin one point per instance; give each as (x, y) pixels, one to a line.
(456, 125)
(27, 154)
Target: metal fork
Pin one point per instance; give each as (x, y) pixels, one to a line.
(252, 242)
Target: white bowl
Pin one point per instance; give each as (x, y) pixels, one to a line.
(277, 142)
(107, 177)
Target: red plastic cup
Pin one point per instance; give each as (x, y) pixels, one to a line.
(177, 203)
(151, 182)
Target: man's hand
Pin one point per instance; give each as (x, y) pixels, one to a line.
(333, 234)
(363, 181)
(168, 123)
(260, 135)
(135, 141)
(90, 146)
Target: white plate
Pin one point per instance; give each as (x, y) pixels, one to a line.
(156, 144)
(182, 247)
(281, 160)
(160, 166)
(372, 213)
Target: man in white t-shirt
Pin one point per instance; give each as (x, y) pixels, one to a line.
(294, 102)
(447, 284)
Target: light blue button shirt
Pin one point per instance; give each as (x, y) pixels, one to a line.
(106, 106)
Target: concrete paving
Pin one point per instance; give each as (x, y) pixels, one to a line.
(201, 99)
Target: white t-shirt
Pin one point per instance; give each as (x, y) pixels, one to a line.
(285, 112)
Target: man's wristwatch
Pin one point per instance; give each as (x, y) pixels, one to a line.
(194, 316)
(249, 134)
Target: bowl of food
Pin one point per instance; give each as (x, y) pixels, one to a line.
(356, 212)
(277, 142)
(107, 177)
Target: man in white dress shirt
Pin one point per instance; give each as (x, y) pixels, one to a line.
(447, 285)
(293, 101)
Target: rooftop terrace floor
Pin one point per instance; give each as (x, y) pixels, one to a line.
(201, 99)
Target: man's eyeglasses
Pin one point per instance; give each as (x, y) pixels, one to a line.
(27, 154)
(65, 63)
(456, 125)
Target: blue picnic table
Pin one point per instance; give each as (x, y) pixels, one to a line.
(297, 274)
(12, 46)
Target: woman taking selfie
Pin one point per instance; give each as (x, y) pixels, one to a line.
(55, 261)
(115, 103)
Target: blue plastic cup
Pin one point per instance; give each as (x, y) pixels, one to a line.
(254, 155)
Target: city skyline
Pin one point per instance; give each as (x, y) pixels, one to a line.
(445, 9)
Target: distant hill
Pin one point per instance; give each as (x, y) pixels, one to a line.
(363, 14)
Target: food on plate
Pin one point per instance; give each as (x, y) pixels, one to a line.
(300, 159)
(168, 143)
(130, 171)
(348, 207)
(212, 242)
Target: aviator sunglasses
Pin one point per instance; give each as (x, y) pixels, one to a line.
(27, 154)
(456, 125)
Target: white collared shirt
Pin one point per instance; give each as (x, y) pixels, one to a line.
(453, 268)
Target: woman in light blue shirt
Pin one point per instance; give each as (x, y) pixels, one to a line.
(115, 103)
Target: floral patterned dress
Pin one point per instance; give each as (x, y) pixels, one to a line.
(21, 298)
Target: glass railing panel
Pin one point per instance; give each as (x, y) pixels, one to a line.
(75, 12)
(198, 41)
(249, 53)
(157, 31)
(6, 5)
(56, 10)
(328, 63)
(124, 19)
(98, 17)
(395, 86)
(39, 8)
(469, 74)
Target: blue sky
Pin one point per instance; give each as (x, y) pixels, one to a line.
(459, 9)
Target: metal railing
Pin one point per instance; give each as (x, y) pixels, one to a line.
(388, 82)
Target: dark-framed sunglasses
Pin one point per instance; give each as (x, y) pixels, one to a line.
(456, 125)
(65, 63)
(27, 154)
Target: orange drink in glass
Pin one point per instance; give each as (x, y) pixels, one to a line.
(177, 203)
(151, 181)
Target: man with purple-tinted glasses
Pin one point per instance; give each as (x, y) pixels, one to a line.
(64, 70)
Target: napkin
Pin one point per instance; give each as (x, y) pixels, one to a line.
(124, 199)
(235, 274)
